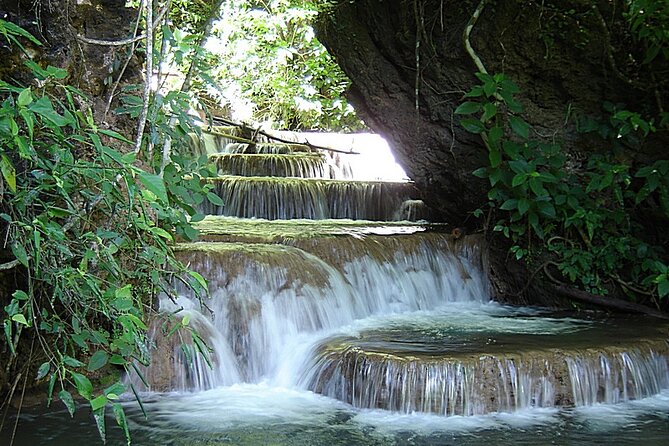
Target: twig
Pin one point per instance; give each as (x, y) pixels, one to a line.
(148, 74)
(130, 40)
(9, 265)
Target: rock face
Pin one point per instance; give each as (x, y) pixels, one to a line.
(409, 71)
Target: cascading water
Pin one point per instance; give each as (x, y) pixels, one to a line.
(352, 332)
(308, 304)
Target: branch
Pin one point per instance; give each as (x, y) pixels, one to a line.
(257, 131)
(130, 40)
(148, 74)
(10, 265)
(608, 302)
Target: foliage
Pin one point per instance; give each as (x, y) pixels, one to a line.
(91, 230)
(583, 214)
(269, 62)
(649, 22)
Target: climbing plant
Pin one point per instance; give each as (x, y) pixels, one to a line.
(581, 214)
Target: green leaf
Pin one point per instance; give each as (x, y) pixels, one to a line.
(523, 205)
(20, 295)
(519, 126)
(495, 136)
(160, 232)
(20, 319)
(481, 172)
(20, 253)
(518, 179)
(200, 280)
(472, 125)
(25, 98)
(44, 108)
(475, 92)
(97, 361)
(495, 157)
(99, 416)
(117, 360)
(99, 402)
(489, 110)
(68, 360)
(663, 287)
(214, 199)
(66, 398)
(115, 135)
(43, 370)
(16, 30)
(121, 420)
(468, 108)
(154, 184)
(83, 385)
(509, 205)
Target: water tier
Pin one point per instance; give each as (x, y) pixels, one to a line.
(293, 198)
(471, 366)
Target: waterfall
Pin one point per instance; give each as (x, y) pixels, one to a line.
(314, 287)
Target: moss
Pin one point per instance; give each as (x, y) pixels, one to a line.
(302, 165)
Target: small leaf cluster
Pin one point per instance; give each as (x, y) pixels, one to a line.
(582, 213)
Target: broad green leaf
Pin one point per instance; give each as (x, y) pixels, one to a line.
(83, 385)
(20, 253)
(489, 110)
(519, 126)
(509, 205)
(20, 319)
(663, 287)
(198, 277)
(97, 361)
(160, 232)
(117, 360)
(99, 416)
(468, 108)
(523, 205)
(214, 199)
(472, 125)
(99, 402)
(495, 136)
(68, 360)
(66, 398)
(44, 108)
(518, 179)
(43, 370)
(25, 98)
(20, 295)
(154, 184)
(196, 218)
(121, 420)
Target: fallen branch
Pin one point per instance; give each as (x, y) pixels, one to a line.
(257, 131)
(608, 302)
